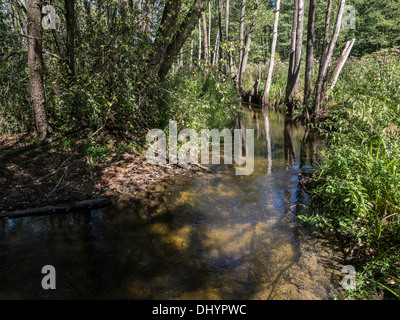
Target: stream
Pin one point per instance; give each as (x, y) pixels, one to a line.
(207, 236)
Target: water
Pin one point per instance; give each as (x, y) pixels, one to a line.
(209, 236)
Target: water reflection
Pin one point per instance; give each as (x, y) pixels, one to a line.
(211, 236)
(289, 144)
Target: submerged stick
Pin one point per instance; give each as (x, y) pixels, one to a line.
(65, 207)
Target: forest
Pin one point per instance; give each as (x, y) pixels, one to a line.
(83, 81)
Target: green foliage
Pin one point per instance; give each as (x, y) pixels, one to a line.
(356, 189)
(199, 99)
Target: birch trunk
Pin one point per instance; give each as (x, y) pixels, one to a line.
(294, 69)
(341, 62)
(323, 71)
(310, 51)
(230, 58)
(241, 35)
(205, 38)
(267, 87)
(243, 65)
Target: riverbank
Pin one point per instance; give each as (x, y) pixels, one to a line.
(54, 175)
(355, 189)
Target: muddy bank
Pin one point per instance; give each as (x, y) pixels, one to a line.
(52, 176)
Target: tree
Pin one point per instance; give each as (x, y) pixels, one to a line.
(230, 58)
(267, 87)
(310, 51)
(340, 63)
(205, 38)
(70, 19)
(326, 61)
(241, 35)
(221, 38)
(199, 47)
(171, 36)
(35, 66)
(243, 65)
(292, 86)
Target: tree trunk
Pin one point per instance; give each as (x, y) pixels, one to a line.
(70, 19)
(310, 51)
(191, 53)
(221, 38)
(294, 69)
(205, 38)
(340, 63)
(293, 36)
(166, 27)
(216, 49)
(241, 35)
(230, 57)
(199, 62)
(175, 40)
(180, 36)
(209, 25)
(35, 66)
(324, 67)
(267, 87)
(181, 58)
(243, 65)
(325, 42)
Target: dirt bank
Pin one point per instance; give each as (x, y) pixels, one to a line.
(52, 175)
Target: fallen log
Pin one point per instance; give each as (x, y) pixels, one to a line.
(60, 208)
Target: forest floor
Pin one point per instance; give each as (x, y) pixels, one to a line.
(49, 176)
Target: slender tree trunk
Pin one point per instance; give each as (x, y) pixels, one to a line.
(162, 40)
(221, 38)
(216, 49)
(324, 67)
(243, 66)
(325, 42)
(181, 58)
(310, 51)
(241, 35)
(293, 36)
(267, 87)
(294, 70)
(230, 57)
(70, 19)
(199, 42)
(35, 66)
(205, 38)
(341, 62)
(191, 53)
(209, 24)
(176, 40)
